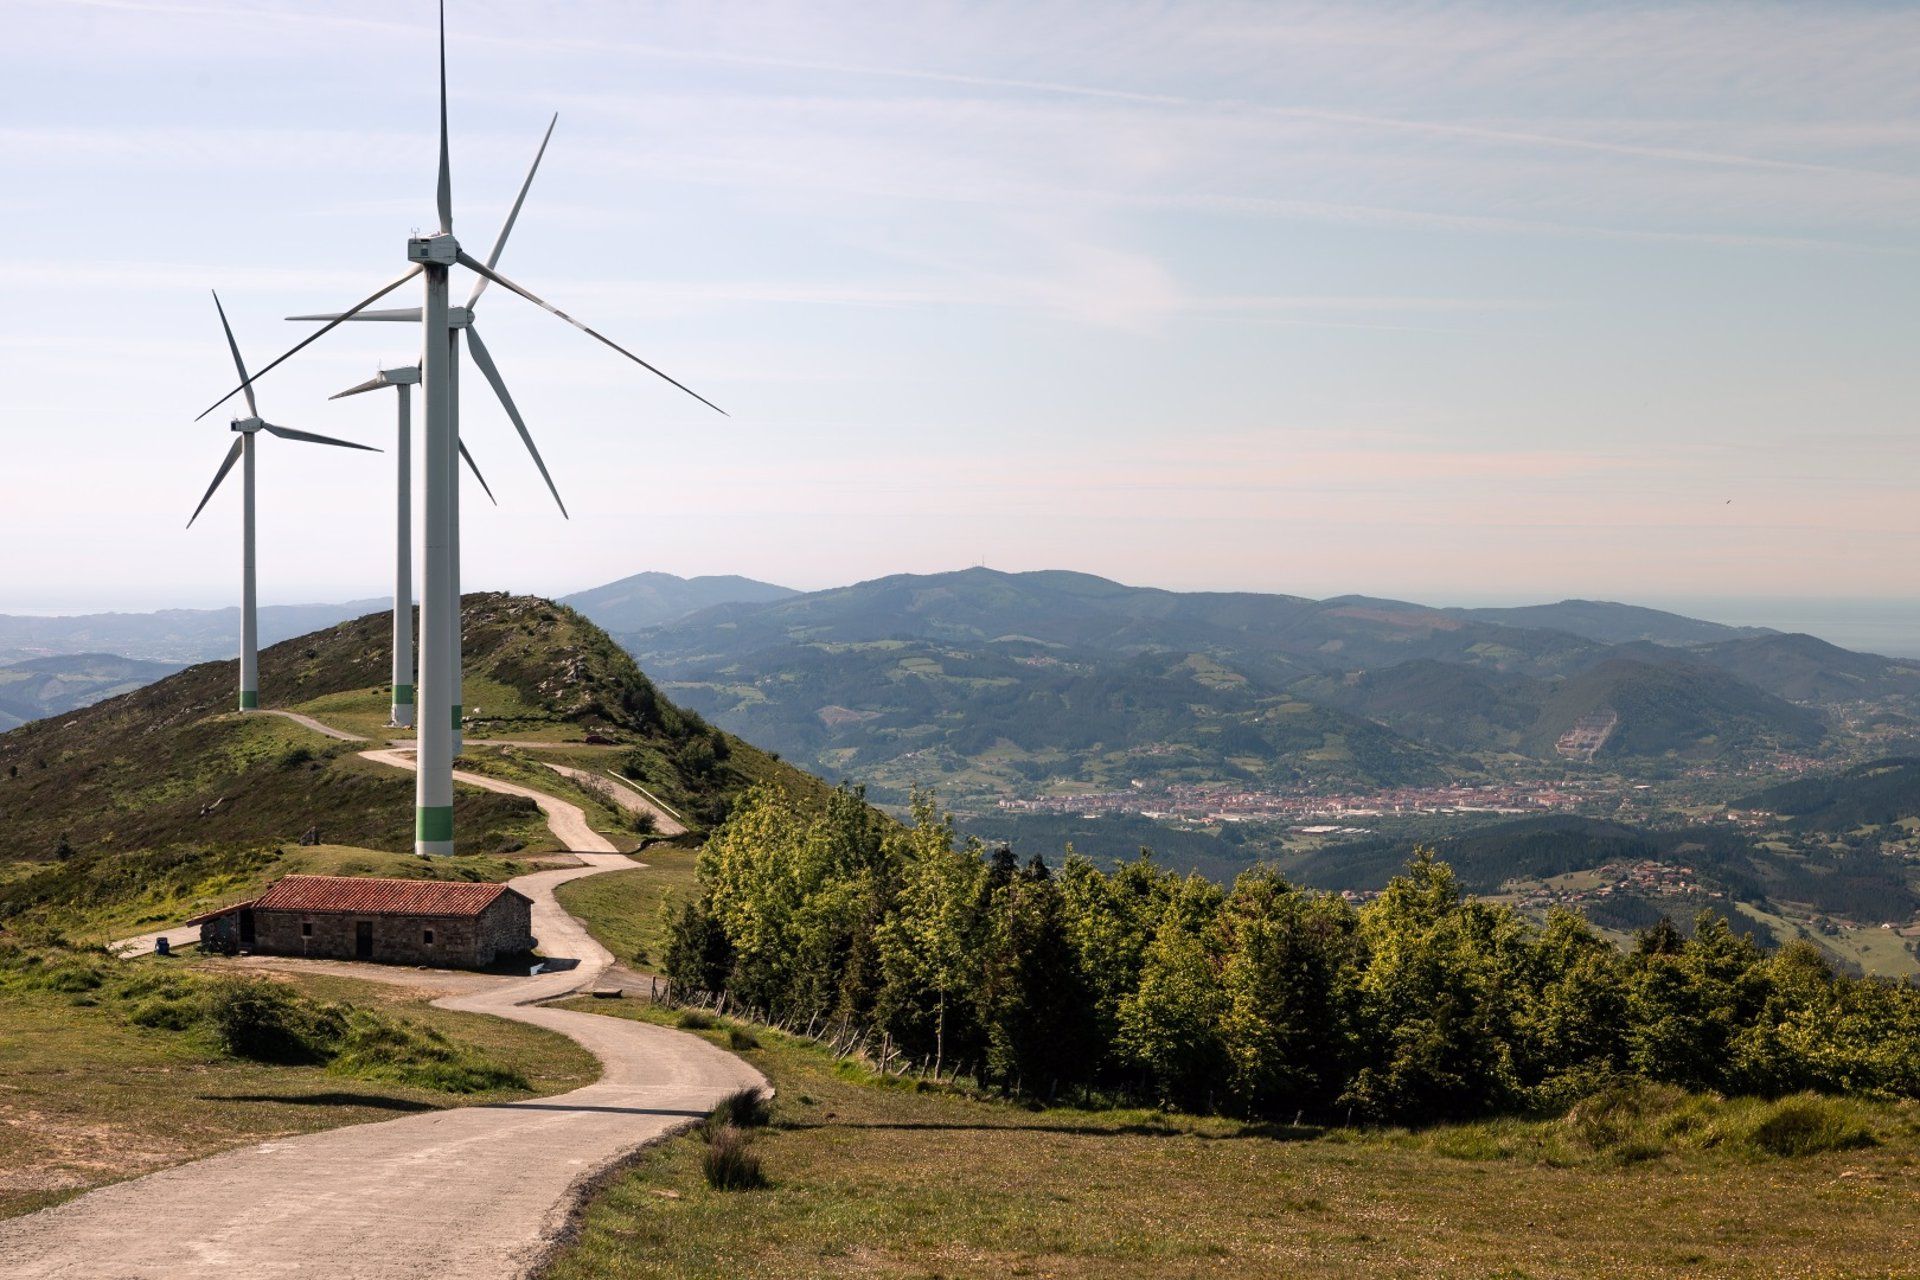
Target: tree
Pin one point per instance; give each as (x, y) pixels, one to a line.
(1169, 1025)
(1289, 981)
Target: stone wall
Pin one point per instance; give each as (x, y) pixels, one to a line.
(505, 928)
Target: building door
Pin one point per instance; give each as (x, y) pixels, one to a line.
(363, 940)
(246, 927)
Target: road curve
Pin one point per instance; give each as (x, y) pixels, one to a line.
(469, 1193)
(340, 734)
(567, 821)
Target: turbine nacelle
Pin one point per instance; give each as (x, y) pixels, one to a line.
(434, 251)
(247, 426)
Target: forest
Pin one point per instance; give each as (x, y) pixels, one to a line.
(1264, 999)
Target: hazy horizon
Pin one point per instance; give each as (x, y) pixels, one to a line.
(1889, 626)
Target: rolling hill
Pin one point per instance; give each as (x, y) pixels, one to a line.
(1612, 623)
(981, 681)
(49, 686)
(171, 767)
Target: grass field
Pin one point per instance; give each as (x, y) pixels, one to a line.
(88, 1097)
(881, 1180)
(622, 909)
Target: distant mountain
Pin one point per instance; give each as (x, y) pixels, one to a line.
(1077, 611)
(1802, 668)
(1880, 793)
(1611, 623)
(170, 635)
(1857, 884)
(649, 599)
(40, 687)
(1678, 708)
(981, 681)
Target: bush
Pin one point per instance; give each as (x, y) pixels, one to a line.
(730, 1163)
(261, 1020)
(694, 1020)
(379, 1048)
(1623, 1119)
(742, 1109)
(1807, 1125)
(740, 1040)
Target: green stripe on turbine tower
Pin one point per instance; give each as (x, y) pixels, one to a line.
(249, 699)
(435, 824)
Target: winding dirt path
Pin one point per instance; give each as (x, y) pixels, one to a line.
(476, 1192)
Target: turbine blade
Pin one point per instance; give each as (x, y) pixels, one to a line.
(444, 195)
(233, 456)
(288, 433)
(408, 314)
(348, 314)
(483, 359)
(493, 259)
(475, 468)
(468, 261)
(371, 384)
(238, 364)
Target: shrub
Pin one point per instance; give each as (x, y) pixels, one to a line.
(1624, 1118)
(730, 1163)
(1807, 1125)
(261, 1020)
(694, 1020)
(740, 1040)
(742, 1109)
(381, 1048)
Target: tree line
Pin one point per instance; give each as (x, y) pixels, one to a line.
(1261, 999)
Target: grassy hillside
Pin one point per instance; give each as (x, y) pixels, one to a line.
(890, 1178)
(172, 767)
(113, 1069)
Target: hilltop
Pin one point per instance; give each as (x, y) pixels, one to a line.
(170, 774)
(649, 599)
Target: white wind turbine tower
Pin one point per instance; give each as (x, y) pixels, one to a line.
(461, 319)
(433, 256)
(242, 451)
(403, 379)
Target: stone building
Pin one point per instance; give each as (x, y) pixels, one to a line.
(444, 923)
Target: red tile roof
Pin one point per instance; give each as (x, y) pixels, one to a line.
(365, 895)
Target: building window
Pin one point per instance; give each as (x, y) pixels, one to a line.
(306, 928)
(429, 937)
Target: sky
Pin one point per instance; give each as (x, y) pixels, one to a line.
(1461, 303)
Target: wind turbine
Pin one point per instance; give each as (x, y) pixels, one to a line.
(460, 319)
(242, 451)
(433, 257)
(403, 379)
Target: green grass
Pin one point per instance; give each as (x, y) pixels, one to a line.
(88, 1095)
(622, 909)
(877, 1179)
